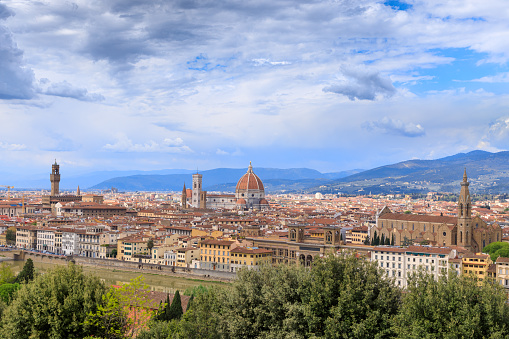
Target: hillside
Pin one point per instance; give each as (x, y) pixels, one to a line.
(225, 179)
(487, 172)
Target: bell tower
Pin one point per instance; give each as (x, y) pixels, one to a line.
(55, 178)
(184, 197)
(197, 180)
(464, 234)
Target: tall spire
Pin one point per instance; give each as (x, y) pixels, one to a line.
(250, 168)
(465, 175)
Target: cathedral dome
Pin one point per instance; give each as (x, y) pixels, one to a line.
(249, 181)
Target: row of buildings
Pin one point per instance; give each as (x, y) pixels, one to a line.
(401, 263)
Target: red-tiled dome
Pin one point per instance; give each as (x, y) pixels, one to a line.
(241, 202)
(250, 181)
(264, 202)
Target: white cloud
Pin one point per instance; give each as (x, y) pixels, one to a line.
(66, 90)
(396, 127)
(501, 77)
(12, 147)
(124, 144)
(362, 84)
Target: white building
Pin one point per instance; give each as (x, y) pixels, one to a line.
(70, 242)
(89, 244)
(170, 258)
(46, 240)
(400, 263)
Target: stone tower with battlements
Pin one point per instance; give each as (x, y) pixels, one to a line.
(55, 179)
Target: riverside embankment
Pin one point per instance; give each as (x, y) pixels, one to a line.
(160, 278)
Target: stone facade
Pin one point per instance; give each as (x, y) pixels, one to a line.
(466, 231)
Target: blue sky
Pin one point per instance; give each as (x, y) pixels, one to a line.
(330, 85)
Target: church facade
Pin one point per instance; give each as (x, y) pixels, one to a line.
(466, 231)
(249, 194)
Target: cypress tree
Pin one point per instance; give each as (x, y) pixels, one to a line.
(27, 273)
(387, 241)
(382, 239)
(373, 241)
(189, 303)
(175, 310)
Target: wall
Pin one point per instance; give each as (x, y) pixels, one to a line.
(117, 264)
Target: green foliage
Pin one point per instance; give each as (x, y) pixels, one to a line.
(27, 273)
(110, 319)
(452, 307)
(7, 292)
(150, 244)
(175, 310)
(10, 236)
(6, 274)
(113, 253)
(407, 212)
(124, 311)
(497, 249)
(204, 320)
(160, 330)
(349, 297)
(195, 290)
(54, 305)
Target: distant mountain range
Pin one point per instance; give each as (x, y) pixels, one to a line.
(225, 180)
(487, 173)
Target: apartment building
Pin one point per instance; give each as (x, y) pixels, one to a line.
(46, 240)
(400, 263)
(215, 254)
(89, 244)
(70, 242)
(249, 257)
(26, 237)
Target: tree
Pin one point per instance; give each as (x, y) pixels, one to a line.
(54, 305)
(387, 241)
(111, 319)
(175, 310)
(382, 239)
(125, 310)
(366, 241)
(375, 239)
(393, 240)
(113, 253)
(6, 274)
(350, 296)
(452, 307)
(150, 245)
(27, 273)
(10, 236)
(497, 249)
(7, 292)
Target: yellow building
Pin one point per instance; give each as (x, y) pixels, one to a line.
(357, 235)
(247, 257)
(26, 237)
(215, 254)
(3, 236)
(201, 233)
(133, 248)
(186, 254)
(503, 272)
(476, 265)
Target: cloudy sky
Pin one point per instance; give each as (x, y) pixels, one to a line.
(331, 85)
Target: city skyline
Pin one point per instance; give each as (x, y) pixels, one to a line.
(332, 86)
